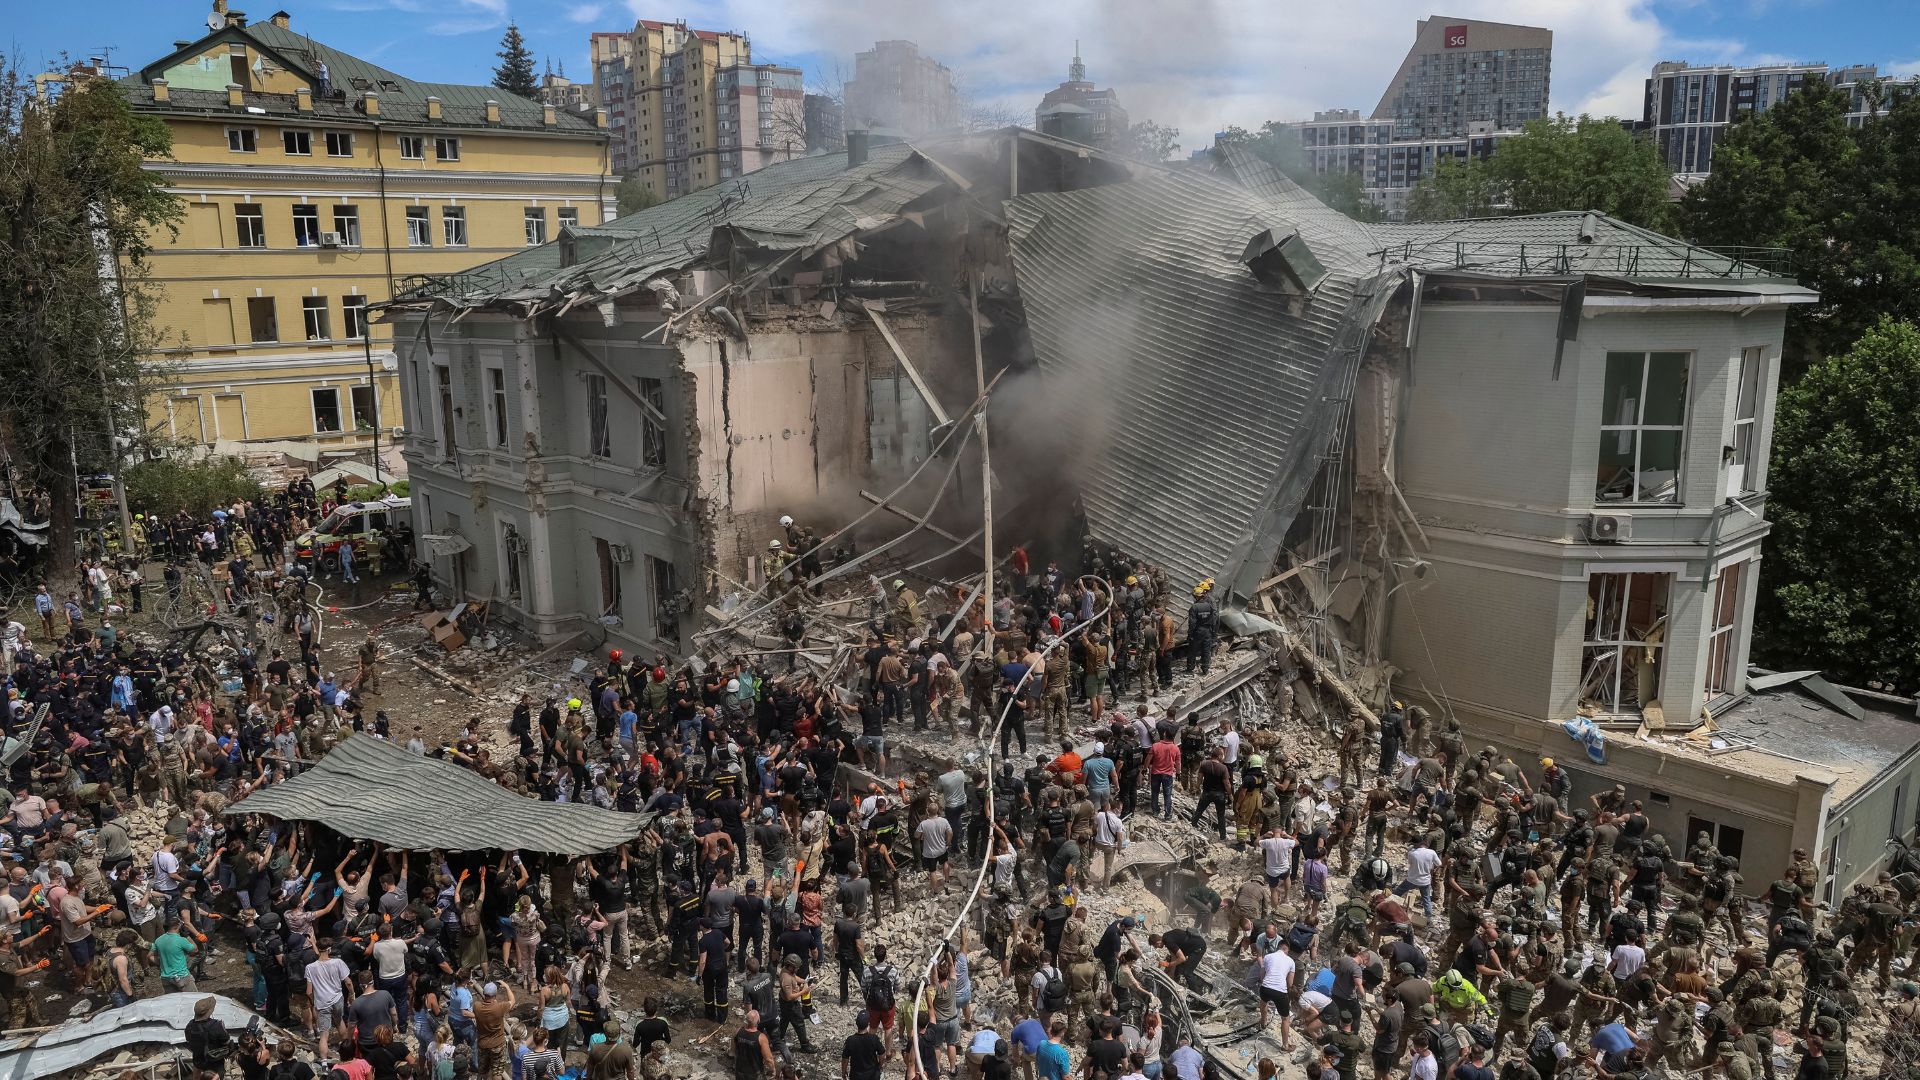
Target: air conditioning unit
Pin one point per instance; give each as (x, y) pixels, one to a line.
(1609, 528)
(620, 553)
(329, 239)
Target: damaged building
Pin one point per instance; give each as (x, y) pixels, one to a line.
(1511, 470)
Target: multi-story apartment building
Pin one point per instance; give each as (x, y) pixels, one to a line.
(313, 182)
(898, 90)
(1688, 107)
(565, 93)
(1077, 110)
(826, 128)
(689, 108)
(1463, 88)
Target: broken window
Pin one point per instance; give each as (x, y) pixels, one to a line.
(346, 222)
(418, 225)
(453, 221)
(497, 400)
(339, 144)
(443, 382)
(599, 438)
(446, 149)
(261, 322)
(609, 578)
(653, 427)
(243, 140)
(366, 407)
(510, 559)
(306, 225)
(298, 143)
(1642, 419)
(1722, 642)
(353, 316)
(569, 216)
(666, 611)
(1623, 648)
(536, 219)
(326, 409)
(313, 309)
(250, 225)
(413, 147)
(1746, 410)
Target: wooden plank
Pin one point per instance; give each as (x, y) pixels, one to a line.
(1284, 575)
(914, 518)
(906, 365)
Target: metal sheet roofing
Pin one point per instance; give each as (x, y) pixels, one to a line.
(370, 789)
(1217, 394)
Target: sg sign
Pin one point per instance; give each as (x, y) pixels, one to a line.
(1456, 37)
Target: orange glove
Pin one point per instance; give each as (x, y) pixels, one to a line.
(374, 940)
(42, 964)
(464, 873)
(99, 908)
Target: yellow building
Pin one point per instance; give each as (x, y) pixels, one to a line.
(690, 108)
(316, 183)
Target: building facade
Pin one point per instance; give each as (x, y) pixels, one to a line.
(563, 92)
(689, 108)
(1077, 110)
(826, 128)
(1342, 142)
(1461, 72)
(898, 90)
(313, 182)
(1688, 107)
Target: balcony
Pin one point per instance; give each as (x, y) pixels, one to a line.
(1676, 260)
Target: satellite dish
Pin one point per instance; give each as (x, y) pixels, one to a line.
(215, 20)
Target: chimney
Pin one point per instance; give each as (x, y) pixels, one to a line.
(371, 104)
(546, 115)
(219, 7)
(234, 95)
(303, 98)
(433, 108)
(493, 111)
(282, 20)
(159, 91)
(600, 118)
(856, 148)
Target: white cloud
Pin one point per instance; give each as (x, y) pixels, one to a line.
(586, 13)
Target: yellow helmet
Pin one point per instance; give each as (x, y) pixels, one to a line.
(573, 703)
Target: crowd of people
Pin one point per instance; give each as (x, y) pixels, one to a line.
(1550, 934)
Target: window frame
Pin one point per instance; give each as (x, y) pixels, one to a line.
(353, 316)
(1639, 429)
(443, 407)
(662, 583)
(419, 147)
(290, 136)
(653, 433)
(339, 144)
(446, 148)
(247, 137)
(421, 237)
(1620, 641)
(497, 406)
(313, 402)
(306, 219)
(373, 405)
(612, 588)
(1749, 373)
(249, 221)
(599, 424)
(566, 217)
(533, 216)
(346, 223)
(449, 217)
(310, 306)
(273, 320)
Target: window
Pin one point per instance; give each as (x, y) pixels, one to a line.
(536, 226)
(1898, 826)
(1746, 410)
(261, 321)
(653, 423)
(443, 382)
(250, 225)
(497, 404)
(1722, 642)
(609, 578)
(1622, 653)
(599, 439)
(366, 408)
(418, 225)
(453, 221)
(326, 409)
(569, 217)
(243, 140)
(313, 309)
(353, 317)
(339, 144)
(298, 143)
(510, 558)
(1644, 407)
(346, 222)
(413, 147)
(1728, 839)
(446, 148)
(666, 611)
(306, 225)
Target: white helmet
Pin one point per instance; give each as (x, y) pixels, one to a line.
(773, 545)
(785, 521)
(733, 686)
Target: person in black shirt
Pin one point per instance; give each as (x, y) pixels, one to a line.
(652, 1030)
(1184, 951)
(1106, 1054)
(864, 1054)
(751, 908)
(712, 969)
(847, 950)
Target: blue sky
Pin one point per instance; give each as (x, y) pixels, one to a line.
(1195, 64)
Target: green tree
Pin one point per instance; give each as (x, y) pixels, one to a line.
(1454, 189)
(1148, 141)
(1279, 145)
(165, 486)
(1583, 163)
(1842, 200)
(515, 73)
(1838, 588)
(633, 195)
(78, 212)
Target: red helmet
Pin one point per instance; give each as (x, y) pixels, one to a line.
(614, 656)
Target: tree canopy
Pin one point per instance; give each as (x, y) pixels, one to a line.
(78, 213)
(633, 195)
(515, 72)
(1279, 145)
(1148, 141)
(1558, 163)
(1839, 590)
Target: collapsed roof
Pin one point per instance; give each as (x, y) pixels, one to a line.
(370, 789)
(1204, 325)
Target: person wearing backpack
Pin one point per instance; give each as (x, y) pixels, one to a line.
(1049, 991)
(1548, 1049)
(207, 1040)
(879, 987)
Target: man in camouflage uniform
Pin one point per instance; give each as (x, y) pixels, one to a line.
(643, 878)
(1671, 1039)
(1059, 676)
(1515, 996)
(1820, 964)
(1720, 897)
(1353, 748)
(1758, 1016)
(1081, 969)
(1593, 1003)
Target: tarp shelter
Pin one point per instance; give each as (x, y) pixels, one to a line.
(153, 1021)
(370, 789)
(353, 471)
